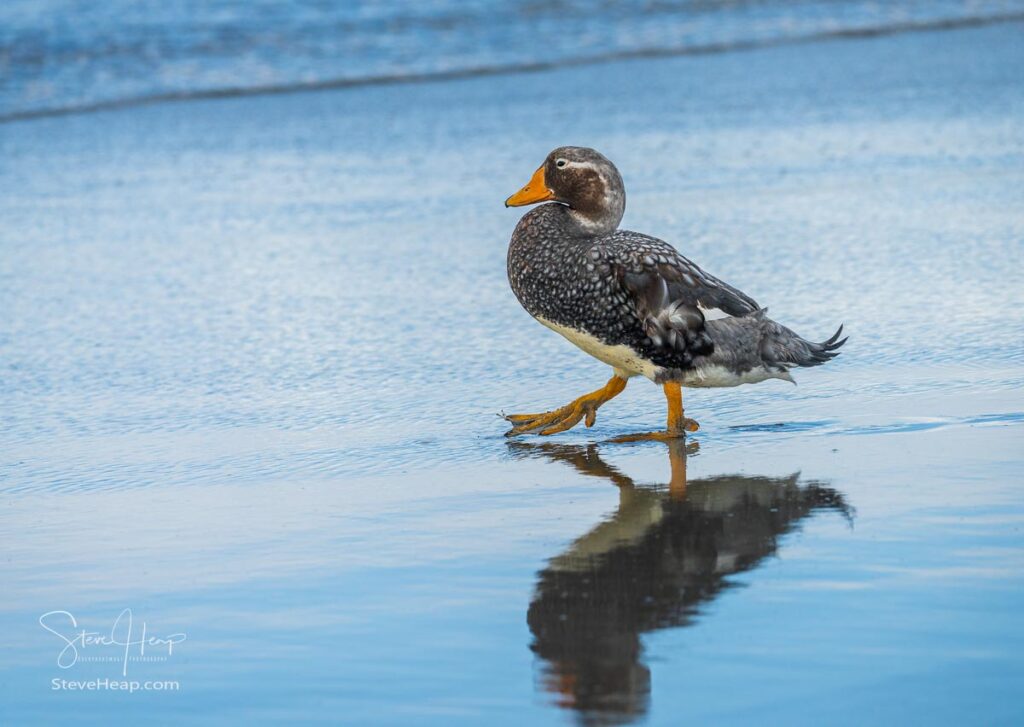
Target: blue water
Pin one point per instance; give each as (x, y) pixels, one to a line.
(252, 349)
(65, 55)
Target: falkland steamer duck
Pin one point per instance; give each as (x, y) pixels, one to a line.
(632, 301)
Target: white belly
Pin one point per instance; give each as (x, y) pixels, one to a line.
(627, 363)
(711, 376)
(623, 359)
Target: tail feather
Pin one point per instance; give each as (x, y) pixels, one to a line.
(784, 348)
(755, 341)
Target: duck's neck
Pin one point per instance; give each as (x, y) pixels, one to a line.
(596, 216)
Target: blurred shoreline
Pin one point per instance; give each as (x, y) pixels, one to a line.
(40, 77)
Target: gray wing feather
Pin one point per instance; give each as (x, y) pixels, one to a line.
(685, 280)
(668, 292)
(665, 290)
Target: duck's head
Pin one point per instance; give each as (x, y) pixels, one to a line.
(583, 180)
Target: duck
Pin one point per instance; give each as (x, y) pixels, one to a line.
(632, 301)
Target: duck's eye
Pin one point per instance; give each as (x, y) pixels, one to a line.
(560, 163)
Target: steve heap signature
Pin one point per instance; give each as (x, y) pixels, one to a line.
(122, 634)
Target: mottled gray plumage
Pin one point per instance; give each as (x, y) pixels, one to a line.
(568, 264)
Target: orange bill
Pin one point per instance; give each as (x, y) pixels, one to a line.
(536, 190)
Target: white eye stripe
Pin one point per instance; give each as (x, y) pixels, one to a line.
(563, 163)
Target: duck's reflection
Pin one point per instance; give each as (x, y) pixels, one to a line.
(664, 552)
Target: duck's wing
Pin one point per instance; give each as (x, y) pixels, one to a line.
(648, 257)
(670, 294)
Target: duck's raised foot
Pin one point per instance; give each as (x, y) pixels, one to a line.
(552, 422)
(568, 416)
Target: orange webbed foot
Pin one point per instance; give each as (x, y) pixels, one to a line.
(568, 416)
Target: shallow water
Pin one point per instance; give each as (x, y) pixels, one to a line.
(252, 350)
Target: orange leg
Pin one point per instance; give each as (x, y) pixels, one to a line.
(678, 423)
(566, 417)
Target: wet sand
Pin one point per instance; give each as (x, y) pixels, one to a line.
(254, 347)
